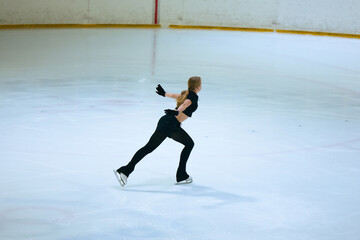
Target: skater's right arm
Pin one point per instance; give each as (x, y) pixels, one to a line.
(161, 92)
(172, 95)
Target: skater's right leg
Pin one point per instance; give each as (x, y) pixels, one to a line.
(182, 137)
(155, 140)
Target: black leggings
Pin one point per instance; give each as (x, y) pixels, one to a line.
(156, 139)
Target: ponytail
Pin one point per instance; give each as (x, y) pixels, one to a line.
(181, 99)
(193, 83)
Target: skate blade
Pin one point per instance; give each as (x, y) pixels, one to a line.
(186, 181)
(121, 178)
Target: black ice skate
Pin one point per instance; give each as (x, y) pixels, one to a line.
(122, 178)
(186, 181)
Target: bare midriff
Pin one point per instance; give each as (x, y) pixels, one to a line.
(181, 117)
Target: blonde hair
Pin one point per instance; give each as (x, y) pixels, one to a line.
(193, 83)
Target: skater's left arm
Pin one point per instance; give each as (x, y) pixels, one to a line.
(182, 108)
(185, 105)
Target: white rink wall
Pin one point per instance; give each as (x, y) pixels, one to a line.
(76, 12)
(334, 16)
(233, 13)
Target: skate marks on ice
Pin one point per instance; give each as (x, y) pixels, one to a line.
(137, 224)
(32, 221)
(128, 224)
(209, 197)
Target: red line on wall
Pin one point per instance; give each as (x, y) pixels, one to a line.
(156, 12)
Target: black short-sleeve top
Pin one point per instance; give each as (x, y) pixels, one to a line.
(193, 97)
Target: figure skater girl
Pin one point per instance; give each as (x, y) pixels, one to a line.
(169, 125)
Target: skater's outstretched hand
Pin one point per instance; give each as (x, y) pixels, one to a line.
(171, 112)
(160, 90)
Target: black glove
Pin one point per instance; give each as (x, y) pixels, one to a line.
(160, 90)
(171, 112)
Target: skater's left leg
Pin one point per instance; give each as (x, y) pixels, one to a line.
(155, 140)
(182, 137)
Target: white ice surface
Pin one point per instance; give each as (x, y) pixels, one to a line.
(277, 135)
